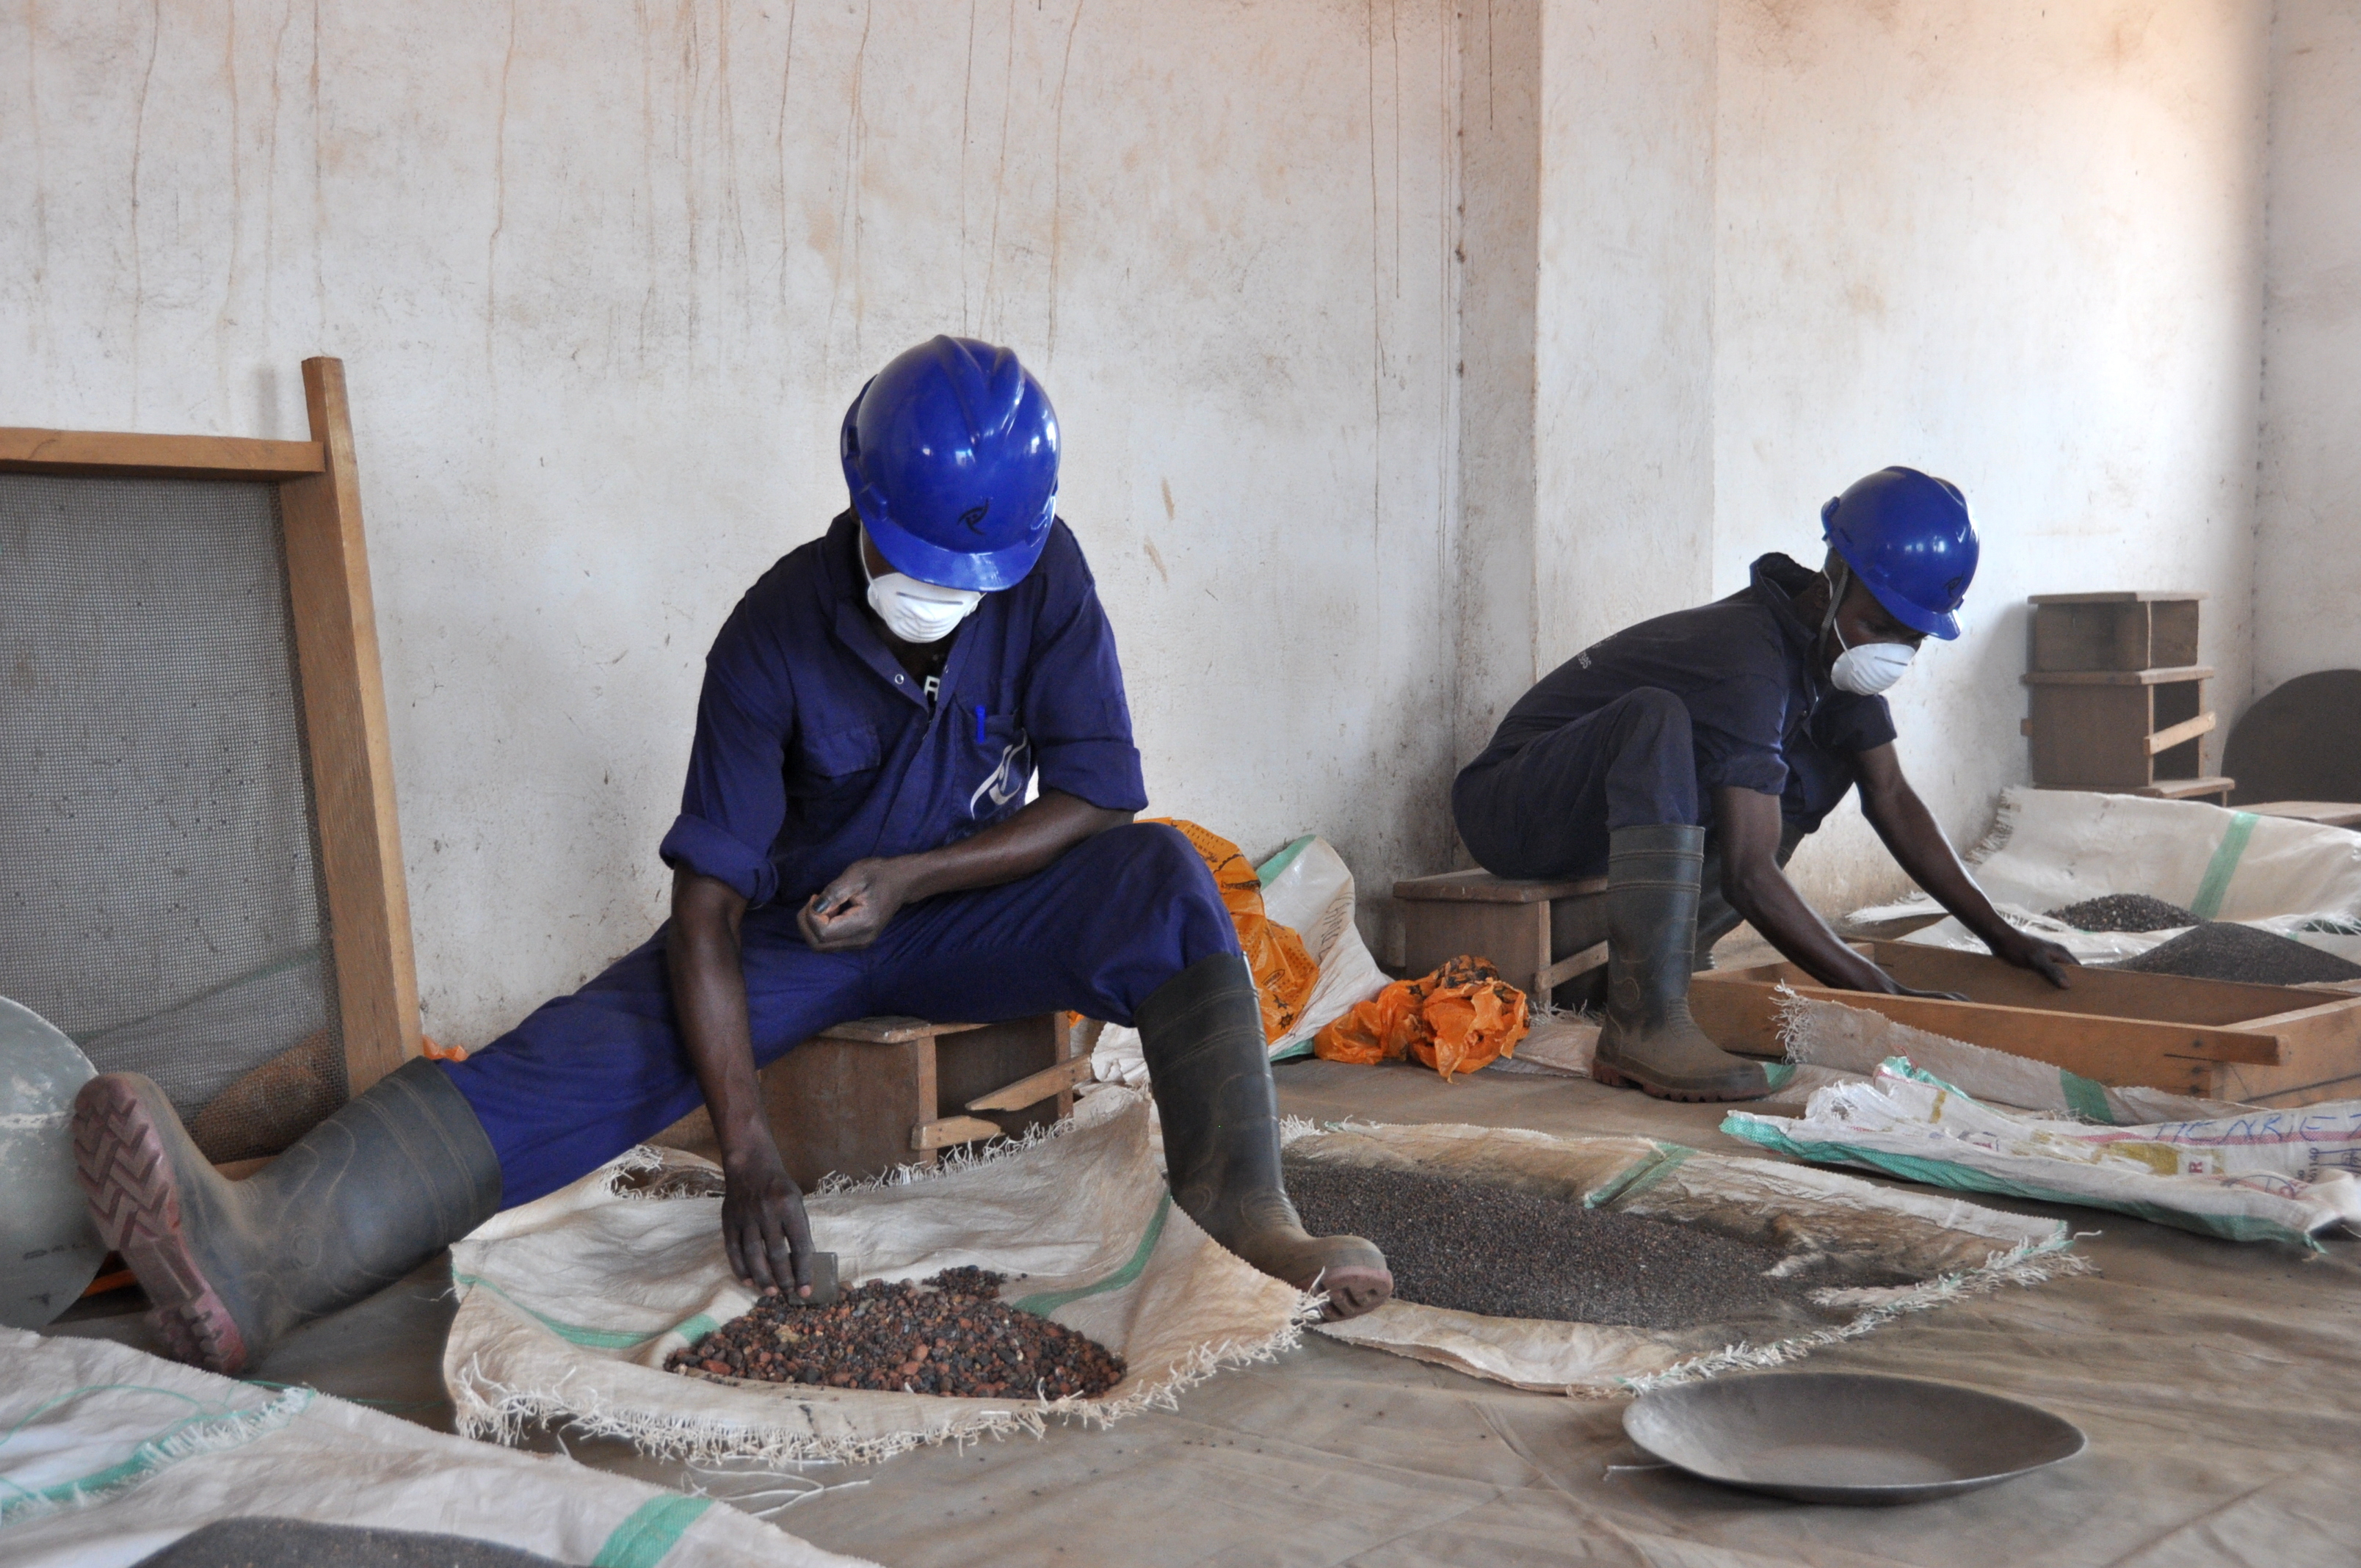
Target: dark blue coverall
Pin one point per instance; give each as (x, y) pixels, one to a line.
(1641, 728)
(815, 748)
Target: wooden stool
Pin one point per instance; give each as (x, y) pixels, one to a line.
(867, 1095)
(1541, 935)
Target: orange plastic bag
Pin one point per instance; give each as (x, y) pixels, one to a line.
(1284, 971)
(1462, 1018)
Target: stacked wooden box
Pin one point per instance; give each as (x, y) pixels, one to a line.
(2119, 696)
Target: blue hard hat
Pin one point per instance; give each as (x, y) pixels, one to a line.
(1906, 535)
(951, 454)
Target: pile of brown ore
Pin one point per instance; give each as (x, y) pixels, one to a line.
(2124, 912)
(2221, 949)
(1474, 1247)
(952, 1336)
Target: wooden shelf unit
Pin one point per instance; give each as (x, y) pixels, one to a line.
(2117, 698)
(2114, 631)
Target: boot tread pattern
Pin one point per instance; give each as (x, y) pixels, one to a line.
(119, 1158)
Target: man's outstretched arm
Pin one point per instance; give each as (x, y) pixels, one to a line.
(852, 910)
(1916, 843)
(1747, 824)
(763, 1223)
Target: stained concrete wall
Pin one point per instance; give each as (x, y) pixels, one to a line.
(1624, 342)
(604, 278)
(2308, 569)
(2017, 244)
(1399, 352)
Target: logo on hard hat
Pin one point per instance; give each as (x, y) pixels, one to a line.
(973, 517)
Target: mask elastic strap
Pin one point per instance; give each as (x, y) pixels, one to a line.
(1839, 579)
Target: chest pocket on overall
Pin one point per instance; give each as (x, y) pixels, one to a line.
(834, 763)
(1003, 764)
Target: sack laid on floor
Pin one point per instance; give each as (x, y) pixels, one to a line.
(1932, 1249)
(2049, 848)
(2253, 1175)
(110, 1456)
(1307, 889)
(569, 1305)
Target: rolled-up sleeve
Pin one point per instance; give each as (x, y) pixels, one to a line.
(735, 799)
(1740, 725)
(1074, 708)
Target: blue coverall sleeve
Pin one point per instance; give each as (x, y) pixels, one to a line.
(1074, 708)
(1740, 730)
(735, 799)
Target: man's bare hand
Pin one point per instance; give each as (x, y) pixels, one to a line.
(763, 1225)
(2044, 958)
(852, 911)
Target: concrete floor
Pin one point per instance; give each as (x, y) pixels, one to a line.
(2217, 1382)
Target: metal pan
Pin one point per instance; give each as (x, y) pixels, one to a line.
(1846, 1437)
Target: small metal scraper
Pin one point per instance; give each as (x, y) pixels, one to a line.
(823, 1283)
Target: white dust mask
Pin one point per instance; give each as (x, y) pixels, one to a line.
(1871, 668)
(916, 611)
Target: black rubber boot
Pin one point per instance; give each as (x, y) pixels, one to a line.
(387, 1182)
(1650, 1041)
(1202, 1034)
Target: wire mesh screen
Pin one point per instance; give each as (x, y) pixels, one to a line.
(159, 891)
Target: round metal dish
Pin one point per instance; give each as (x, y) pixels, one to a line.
(49, 1249)
(1846, 1437)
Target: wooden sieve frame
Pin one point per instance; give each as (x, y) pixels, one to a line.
(343, 717)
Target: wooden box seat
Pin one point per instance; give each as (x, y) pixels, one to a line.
(872, 1093)
(1541, 935)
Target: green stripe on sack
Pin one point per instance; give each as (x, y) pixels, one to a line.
(1268, 872)
(1049, 1301)
(572, 1333)
(654, 1528)
(2222, 867)
(2087, 1098)
(1639, 1175)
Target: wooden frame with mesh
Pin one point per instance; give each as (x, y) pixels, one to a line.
(344, 712)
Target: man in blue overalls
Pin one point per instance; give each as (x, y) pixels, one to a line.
(1687, 756)
(854, 839)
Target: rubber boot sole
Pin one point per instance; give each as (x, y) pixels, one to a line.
(1622, 1078)
(1352, 1289)
(120, 1161)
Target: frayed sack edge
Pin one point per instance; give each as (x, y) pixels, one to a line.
(210, 1434)
(488, 1410)
(2026, 1263)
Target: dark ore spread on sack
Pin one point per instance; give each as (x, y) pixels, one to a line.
(1475, 1247)
(2123, 912)
(952, 1335)
(2221, 949)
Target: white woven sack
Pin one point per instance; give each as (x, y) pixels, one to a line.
(109, 1455)
(1945, 1247)
(569, 1305)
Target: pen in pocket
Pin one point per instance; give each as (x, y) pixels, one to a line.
(979, 724)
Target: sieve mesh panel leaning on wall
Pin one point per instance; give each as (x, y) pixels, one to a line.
(159, 889)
